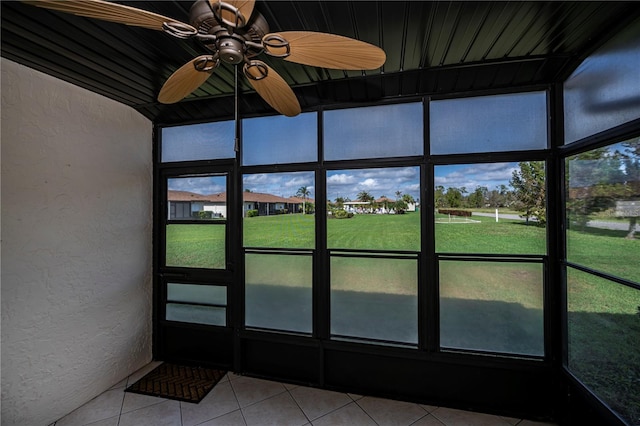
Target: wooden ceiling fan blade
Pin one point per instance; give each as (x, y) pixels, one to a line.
(107, 11)
(272, 88)
(187, 78)
(324, 50)
(245, 7)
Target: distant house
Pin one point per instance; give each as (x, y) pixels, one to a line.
(188, 205)
(268, 204)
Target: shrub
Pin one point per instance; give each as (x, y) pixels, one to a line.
(342, 214)
(452, 212)
(252, 213)
(204, 214)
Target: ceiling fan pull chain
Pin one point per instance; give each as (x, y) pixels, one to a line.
(179, 30)
(206, 63)
(252, 67)
(281, 47)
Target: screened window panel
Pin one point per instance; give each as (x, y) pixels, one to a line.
(603, 208)
(374, 132)
(197, 198)
(603, 340)
(278, 210)
(374, 298)
(364, 212)
(492, 307)
(279, 292)
(604, 91)
(279, 139)
(467, 198)
(206, 141)
(513, 122)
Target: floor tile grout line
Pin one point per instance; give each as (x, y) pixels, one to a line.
(237, 401)
(124, 392)
(365, 411)
(298, 405)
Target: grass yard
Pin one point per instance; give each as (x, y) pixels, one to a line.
(195, 246)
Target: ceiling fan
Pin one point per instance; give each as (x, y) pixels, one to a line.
(234, 32)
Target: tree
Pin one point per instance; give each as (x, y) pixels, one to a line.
(453, 197)
(364, 196)
(529, 190)
(440, 199)
(598, 179)
(408, 198)
(303, 192)
(478, 197)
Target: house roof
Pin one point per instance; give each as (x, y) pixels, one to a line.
(432, 47)
(255, 197)
(258, 197)
(192, 196)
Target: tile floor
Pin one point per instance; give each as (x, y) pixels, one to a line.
(246, 401)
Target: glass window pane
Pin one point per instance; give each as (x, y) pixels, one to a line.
(197, 197)
(375, 298)
(279, 292)
(469, 196)
(603, 340)
(603, 91)
(374, 209)
(603, 207)
(373, 132)
(278, 210)
(492, 306)
(206, 141)
(213, 295)
(512, 122)
(196, 246)
(212, 315)
(279, 139)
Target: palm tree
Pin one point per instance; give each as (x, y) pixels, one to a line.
(364, 196)
(303, 192)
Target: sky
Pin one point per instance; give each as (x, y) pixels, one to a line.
(471, 176)
(348, 183)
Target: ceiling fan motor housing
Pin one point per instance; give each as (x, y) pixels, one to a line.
(231, 50)
(228, 42)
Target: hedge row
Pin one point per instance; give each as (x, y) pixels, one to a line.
(452, 212)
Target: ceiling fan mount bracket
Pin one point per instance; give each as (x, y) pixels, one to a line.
(179, 30)
(255, 70)
(206, 63)
(276, 45)
(219, 7)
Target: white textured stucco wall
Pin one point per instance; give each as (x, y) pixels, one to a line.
(76, 245)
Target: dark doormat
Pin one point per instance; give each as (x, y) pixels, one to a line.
(179, 382)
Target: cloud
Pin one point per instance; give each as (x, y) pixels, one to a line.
(369, 184)
(341, 179)
(200, 185)
(282, 184)
(471, 176)
(378, 182)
